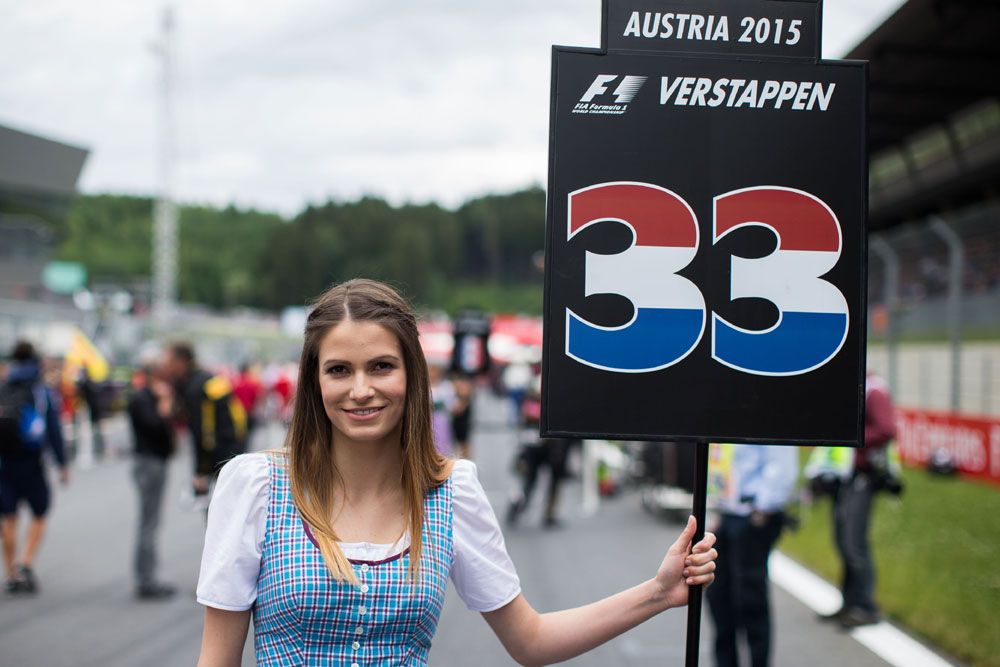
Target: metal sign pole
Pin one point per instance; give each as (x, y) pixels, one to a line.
(695, 592)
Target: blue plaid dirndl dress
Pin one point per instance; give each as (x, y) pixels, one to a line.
(303, 616)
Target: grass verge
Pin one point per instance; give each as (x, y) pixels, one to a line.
(937, 553)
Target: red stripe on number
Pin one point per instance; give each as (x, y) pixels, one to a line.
(802, 222)
(660, 218)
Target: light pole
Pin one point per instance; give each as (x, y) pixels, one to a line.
(956, 267)
(165, 211)
(890, 261)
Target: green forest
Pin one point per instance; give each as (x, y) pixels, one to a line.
(481, 255)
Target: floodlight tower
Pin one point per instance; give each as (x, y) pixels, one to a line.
(165, 211)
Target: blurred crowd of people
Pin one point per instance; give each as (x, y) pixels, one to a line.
(50, 408)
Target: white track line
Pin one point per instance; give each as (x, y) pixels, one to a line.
(892, 645)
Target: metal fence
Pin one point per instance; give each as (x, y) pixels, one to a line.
(934, 318)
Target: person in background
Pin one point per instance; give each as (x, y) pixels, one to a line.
(248, 388)
(443, 400)
(852, 509)
(90, 391)
(461, 414)
(214, 417)
(533, 454)
(29, 422)
(284, 391)
(150, 410)
(750, 486)
(517, 378)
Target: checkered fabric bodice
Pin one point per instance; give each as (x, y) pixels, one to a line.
(303, 616)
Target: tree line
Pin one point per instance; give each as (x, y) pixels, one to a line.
(482, 254)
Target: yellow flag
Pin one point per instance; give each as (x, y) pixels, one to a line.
(84, 354)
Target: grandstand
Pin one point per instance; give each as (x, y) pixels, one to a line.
(924, 258)
(37, 178)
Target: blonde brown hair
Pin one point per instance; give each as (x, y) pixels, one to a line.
(310, 436)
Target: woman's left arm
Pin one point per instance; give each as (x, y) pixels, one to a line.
(541, 639)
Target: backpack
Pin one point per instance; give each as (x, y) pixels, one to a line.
(22, 420)
(224, 421)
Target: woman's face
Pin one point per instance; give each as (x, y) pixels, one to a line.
(362, 379)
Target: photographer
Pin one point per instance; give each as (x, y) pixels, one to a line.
(853, 506)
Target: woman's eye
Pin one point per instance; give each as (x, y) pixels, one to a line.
(383, 366)
(336, 370)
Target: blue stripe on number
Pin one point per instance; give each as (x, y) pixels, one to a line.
(801, 342)
(656, 338)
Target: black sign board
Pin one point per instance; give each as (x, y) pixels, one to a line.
(705, 255)
(471, 333)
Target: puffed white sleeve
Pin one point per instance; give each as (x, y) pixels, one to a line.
(483, 573)
(234, 537)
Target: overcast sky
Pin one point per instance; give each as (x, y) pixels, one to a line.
(279, 104)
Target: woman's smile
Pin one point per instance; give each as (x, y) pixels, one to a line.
(362, 379)
(364, 414)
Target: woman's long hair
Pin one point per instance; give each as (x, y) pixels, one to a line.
(310, 436)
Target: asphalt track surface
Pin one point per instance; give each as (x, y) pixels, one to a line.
(86, 616)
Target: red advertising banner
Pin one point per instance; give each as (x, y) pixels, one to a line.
(972, 442)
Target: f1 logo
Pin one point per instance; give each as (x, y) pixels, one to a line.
(624, 93)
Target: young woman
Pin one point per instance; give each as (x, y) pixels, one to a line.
(341, 546)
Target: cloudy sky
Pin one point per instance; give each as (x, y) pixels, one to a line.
(279, 104)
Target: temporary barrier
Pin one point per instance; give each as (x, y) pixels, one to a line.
(972, 443)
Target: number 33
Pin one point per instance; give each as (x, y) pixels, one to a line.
(670, 311)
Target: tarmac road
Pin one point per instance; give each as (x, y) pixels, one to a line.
(85, 615)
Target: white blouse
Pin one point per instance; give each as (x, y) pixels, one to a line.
(482, 572)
